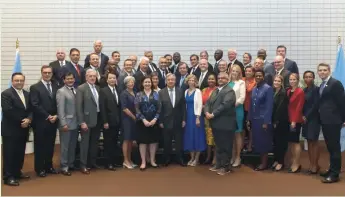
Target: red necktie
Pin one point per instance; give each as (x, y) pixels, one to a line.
(77, 68)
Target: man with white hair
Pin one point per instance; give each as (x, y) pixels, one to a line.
(103, 59)
(134, 59)
(151, 66)
(232, 55)
(142, 72)
(57, 65)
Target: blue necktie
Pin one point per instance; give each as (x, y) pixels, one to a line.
(182, 80)
(322, 86)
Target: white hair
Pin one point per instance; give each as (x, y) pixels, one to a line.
(144, 58)
(88, 71)
(97, 41)
(128, 78)
(232, 50)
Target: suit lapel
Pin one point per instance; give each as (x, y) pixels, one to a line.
(46, 90)
(168, 96)
(18, 98)
(90, 91)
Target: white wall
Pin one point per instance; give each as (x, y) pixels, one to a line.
(308, 28)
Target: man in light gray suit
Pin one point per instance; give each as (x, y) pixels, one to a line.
(88, 116)
(220, 110)
(68, 126)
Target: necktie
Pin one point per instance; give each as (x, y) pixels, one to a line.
(61, 63)
(95, 96)
(49, 89)
(114, 92)
(322, 86)
(171, 95)
(77, 68)
(163, 74)
(182, 80)
(100, 60)
(201, 78)
(72, 89)
(21, 96)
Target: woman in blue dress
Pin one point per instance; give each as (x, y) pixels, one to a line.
(194, 135)
(311, 126)
(128, 121)
(147, 108)
(260, 115)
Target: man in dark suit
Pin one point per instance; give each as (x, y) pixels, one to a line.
(170, 67)
(278, 69)
(88, 113)
(151, 66)
(332, 117)
(15, 124)
(126, 71)
(181, 76)
(103, 59)
(94, 65)
(220, 110)
(68, 124)
(204, 55)
(109, 102)
(43, 102)
(75, 68)
(218, 55)
(232, 55)
(141, 73)
(162, 72)
(204, 73)
(194, 61)
(289, 65)
(177, 60)
(172, 121)
(57, 66)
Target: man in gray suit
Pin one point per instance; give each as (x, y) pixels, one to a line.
(289, 65)
(126, 71)
(220, 110)
(68, 126)
(88, 116)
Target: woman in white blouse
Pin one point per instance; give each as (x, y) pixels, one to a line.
(239, 86)
(194, 135)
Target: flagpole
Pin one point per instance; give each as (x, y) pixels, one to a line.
(339, 40)
(17, 44)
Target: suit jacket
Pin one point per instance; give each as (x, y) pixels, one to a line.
(261, 105)
(162, 80)
(210, 67)
(196, 72)
(104, 61)
(296, 102)
(138, 77)
(222, 105)
(66, 108)
(331, 103)
(291, 66)
(240, 64)
(13, 112)
(58, 72)
(120, 81)
(79, 79)
(86, 105)
(204, 83)
(270, 72)
(110, 108)
(42, 104)
(280, 107)
(183, 86)
(172, 117)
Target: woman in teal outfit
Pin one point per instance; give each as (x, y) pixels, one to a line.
(239, 86)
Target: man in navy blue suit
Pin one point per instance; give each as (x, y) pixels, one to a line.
(75, 68)
(332, 117)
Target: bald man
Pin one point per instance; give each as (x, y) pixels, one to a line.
(57, 65)
(103, 59)
(232, 55)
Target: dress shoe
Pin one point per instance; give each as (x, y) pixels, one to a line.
(237, 164)
(142, 169)
(96, 166)
(330, 179)
(310, 172)
(296, 171)
(260, 168)
(117, 165)
(52, 171)
(12, 182)
(23, 176)
(84, 171)
(127, 166)
(111, 168)
(214, 168)
(41, 173)
(182, 163)
(223, 171)
(154, 165)
(66, 173)
(325, 174)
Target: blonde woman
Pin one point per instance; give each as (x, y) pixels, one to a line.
(239, 86)
(194, 135)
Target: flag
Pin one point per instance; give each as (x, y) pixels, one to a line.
(17, 65)
(339, 74)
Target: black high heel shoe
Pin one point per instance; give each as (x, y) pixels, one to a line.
(296, 171)
(314, 172)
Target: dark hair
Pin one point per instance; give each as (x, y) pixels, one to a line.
(142, 81)
(281, 46)
(93, 54)
(214, 75)
(251, 68)
(166, 55)
(46, 66)
(108, 72)
(73, 49)
(259, 71)
(154, 73)
(114, 53)
(127, 60)
(182, 63)
(194, 55)
(67, 75)
(17, 73)
(204, 51)
(249, 55)
(309, 71)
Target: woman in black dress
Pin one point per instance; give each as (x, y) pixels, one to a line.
(311, 126)
(280, 121)
(147, 108)
(128, 121)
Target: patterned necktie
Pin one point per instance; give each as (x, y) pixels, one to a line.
(49, 89)
(95, 96)
(21, 96)
(171, 95)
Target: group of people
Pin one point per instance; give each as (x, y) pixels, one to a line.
(202, 107)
